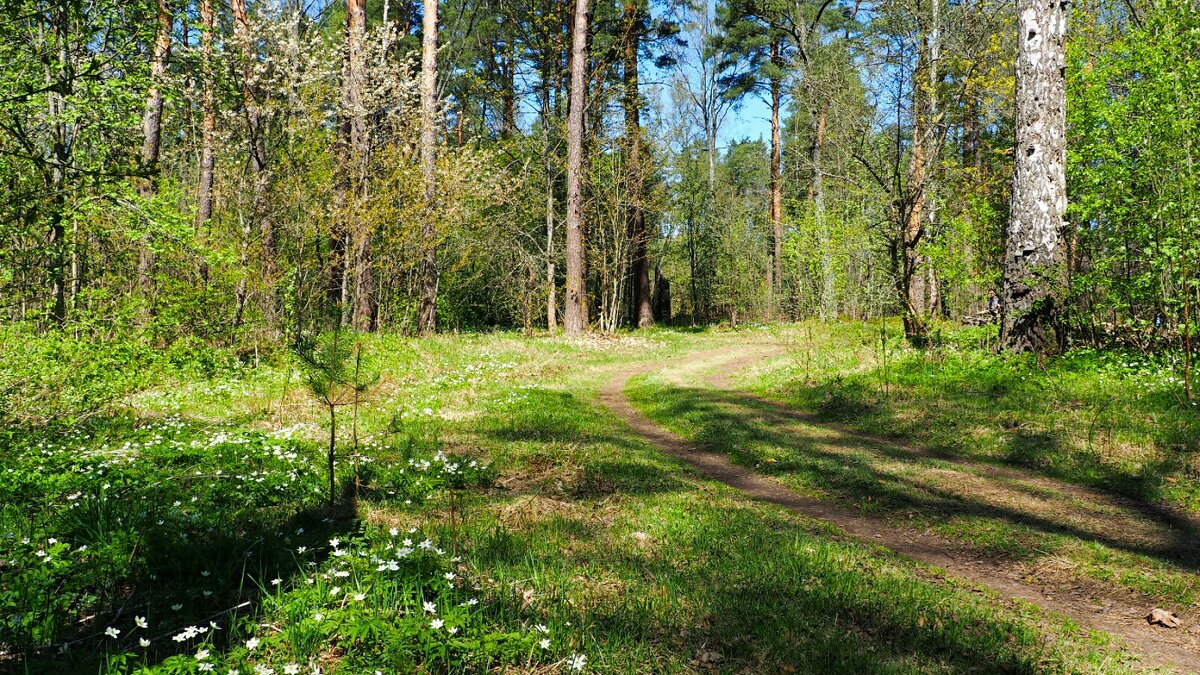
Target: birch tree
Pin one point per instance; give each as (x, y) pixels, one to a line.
(1035, 257)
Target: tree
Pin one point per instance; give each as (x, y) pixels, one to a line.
(256, 142)
(575, 319)
(754, 53)
(1035, 257)
(152, 138)
(357, 156)
(208, 124)
(427, 322)
(641, 309)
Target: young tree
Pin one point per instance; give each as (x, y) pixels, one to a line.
(1035, 257)
(575, 319)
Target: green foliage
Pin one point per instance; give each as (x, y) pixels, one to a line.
(1132, 171)
(338, 373)
(60, 381)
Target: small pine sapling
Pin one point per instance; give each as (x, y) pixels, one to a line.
(336, 375)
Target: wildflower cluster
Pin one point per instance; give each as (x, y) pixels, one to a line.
(177, 550)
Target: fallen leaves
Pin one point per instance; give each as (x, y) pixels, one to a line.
(1161, 617)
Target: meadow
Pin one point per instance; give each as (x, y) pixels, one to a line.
(168, 511)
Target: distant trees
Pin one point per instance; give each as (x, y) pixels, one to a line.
(236, 170)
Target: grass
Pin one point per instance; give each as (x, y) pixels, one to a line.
(972, 416)
(587, 537)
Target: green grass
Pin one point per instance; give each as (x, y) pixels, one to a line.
(960, 403)
(622, 555)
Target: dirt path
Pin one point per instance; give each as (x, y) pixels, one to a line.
(1120, 614)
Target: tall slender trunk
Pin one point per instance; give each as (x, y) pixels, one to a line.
(152, 142)
(56, 177)
(260, 208)
(208, 127)
(548, 158)
(360, 235)
(775, 268)
(826, 308)
(931, 297)
(912, 286)
(508, 92)
(1035, 257)
(576, 305)
(642, 310)
(912, 295)
(710, 140)
(693, 270)
(152, 116)
(429, 269)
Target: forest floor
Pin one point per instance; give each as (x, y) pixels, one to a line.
(915, 488)
(807, 498)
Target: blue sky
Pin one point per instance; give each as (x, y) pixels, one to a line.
(751, 122)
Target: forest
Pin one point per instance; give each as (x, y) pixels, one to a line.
(746, 336)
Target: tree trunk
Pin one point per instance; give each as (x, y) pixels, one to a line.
(365, 310)
(816, 197)
(912, 291)
(548, 159)
(1035, 258)
(152, 142)
(208, 127)
(710, 139)
(359, 234)
(56, 107)
(775, 268)
(152, 117)
(508, 92)
(429, 270)
(257, 145)
(576, 305)
(642, 309)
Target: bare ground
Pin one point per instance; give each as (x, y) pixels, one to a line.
(1088, 514)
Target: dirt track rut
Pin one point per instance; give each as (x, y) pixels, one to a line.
(1178, 650)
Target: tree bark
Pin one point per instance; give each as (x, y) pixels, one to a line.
(775, 268)
(508, 92)
(152, 117)
(56, 178)
(642, 309)
(152, 142)
(360, 234)
(912, 280)
(257, 147)
(548, 159)
(429, 270)
(1035, 257)
(576, 304)
(208, 125)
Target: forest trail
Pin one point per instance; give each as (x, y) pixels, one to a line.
(977, 488)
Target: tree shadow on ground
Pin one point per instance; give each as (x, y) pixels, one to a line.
(892, 481)
(997, 397)
(183, 550)
(551, 423)
(736, 588)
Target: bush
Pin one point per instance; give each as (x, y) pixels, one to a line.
(56, 380)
